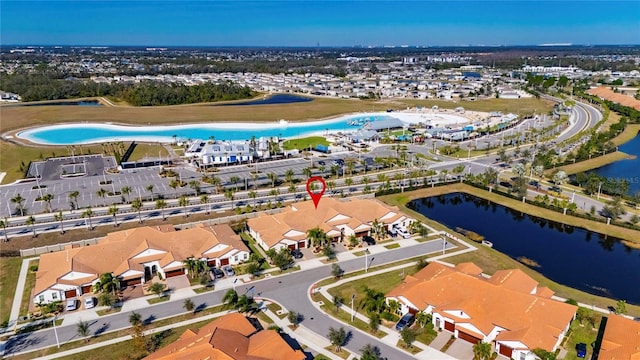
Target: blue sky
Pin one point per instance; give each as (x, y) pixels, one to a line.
(330, 23)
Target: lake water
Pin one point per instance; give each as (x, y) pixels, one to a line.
(625, 169)
(274, 99)
(571, 256)
(67, 103)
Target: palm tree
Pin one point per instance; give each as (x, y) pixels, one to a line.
(317, 237)
(230, 298)
(348, 182)
(102, 193)
(370, 352)
(288, 175)
(73, 197)
(83, 330)
(150, 189)
(422, 319)
(137, 205)
(107, 283)
(126, 190)
(4, 224)
(253, 194)
(482, 351)
(19, 200)
(228, 193)
(234, 180)
(374, 301)
(161, 204)
(307, 172)
(337, 337)
(204, 200)
(174, 184)
(184, 201)
(31, 221)
(195, 185)
(113, 211)
(88, 214)
(273, 177)
(135, 319)
(58, 217)
(189, 305)
(190, 263)
(47, 199)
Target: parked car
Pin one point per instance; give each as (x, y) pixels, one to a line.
(405, 322)
(369, 240)
(89, 302)
(229, 270)
(217, 273)
(71, 305)
(321, 162)
(296, 253)
(581, 348)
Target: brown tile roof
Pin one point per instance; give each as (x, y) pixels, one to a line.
(533, 320)
(514, 279)
(228, 337)
(303, 216)
(621, 339)
(115, 253)
(608, 94)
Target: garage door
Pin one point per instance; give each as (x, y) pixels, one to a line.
(468, 337)
(70, 294)
(224, 261)
(212, 262)
(506, 351)
(449, 326)
(86, 289)
(291, 247)
(131, 282)
(173, 273)
(302, 244)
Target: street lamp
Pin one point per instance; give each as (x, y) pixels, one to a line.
(55, 331)
(353, 298)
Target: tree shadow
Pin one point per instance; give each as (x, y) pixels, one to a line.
(200, 308)
(156, 340)
(22, 342)
(101, 329)
(149, 320)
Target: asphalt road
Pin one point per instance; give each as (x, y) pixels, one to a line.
(291, 290)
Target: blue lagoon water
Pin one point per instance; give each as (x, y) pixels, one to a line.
(625, 169)
(275, 99)
(71, 134)
(571, 256)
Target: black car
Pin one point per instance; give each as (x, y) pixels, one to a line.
(217, 273)
(296, 253)
(321, 162)
(406, 321)
(369, 240)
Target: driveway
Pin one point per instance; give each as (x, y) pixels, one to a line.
(461, 349)
(178, 282)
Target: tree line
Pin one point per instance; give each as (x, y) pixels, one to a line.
(49, 86)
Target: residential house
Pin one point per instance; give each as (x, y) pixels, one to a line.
(509, 309)
(228, 337)
(337, 218)
(621, 339)
(134, 256)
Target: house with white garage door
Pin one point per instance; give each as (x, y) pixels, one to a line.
(134, 257)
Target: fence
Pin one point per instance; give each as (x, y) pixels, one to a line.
(57, 247)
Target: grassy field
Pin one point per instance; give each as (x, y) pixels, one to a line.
(491, 260)
(517, 106)
(148, 150)
(591, 164)
(9, 271)
(28, 287)
(304, 143)
(630, 132)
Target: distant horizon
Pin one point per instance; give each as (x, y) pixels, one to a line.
(345, 23)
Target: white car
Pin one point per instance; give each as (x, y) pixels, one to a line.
(71, 305)
(89, 302)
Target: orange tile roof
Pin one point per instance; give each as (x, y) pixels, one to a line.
(303, 216)
(533, 320)
(608, 94)
(228, 337)
(115, 253)
(621, 339)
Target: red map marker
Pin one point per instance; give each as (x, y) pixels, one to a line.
(315, 196)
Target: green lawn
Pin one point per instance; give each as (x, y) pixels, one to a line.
(10, 269)
(304, 143)
(148, 150)
(582, 333)
(392, 246)
(28, 286)
(160, 299)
